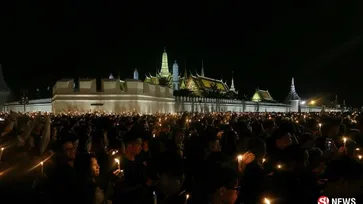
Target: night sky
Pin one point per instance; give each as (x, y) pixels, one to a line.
(264, 43)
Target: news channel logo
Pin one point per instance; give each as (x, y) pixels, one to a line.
(326, 200)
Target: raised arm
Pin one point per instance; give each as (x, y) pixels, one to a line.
(11, 121)
(27, 130)
(46, 135)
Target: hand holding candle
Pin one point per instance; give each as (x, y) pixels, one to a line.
(186, 198)
(118, 163)
(155, 198)
(344, 141)
(1, 152)
(41, 168)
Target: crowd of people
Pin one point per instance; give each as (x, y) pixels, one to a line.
(216, 158)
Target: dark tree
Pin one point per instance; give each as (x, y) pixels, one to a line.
(183, 92)
(163, 81)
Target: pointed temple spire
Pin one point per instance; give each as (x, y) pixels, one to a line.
(292, 85)
(202, 71)
(232, 84)
(175, 76)
(292, 94)
(164, 72)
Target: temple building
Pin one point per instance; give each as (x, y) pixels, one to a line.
(199, 85)
(164, 77)
(262, 96)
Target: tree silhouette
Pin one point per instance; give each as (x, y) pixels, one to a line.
(231, 95)
(183, 92)
(213, 91)
(163, 81)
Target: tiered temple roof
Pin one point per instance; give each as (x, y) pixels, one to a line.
(198, 84)
(262, 96)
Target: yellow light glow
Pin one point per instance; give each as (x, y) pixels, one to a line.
(279, 166)
(239, 158)
(359, 157)
(263, 160)
(266, 201)
(312, 102)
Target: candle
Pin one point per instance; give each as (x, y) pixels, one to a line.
(359, 157)
(357, 149)
(239, 159)
(41, 168)
(118, 163)
(155, 198)
(186, 198)
(279, 166)
(344, 141)
(267, 201)
(263, 160)
(1, 152)
(154, 135)
(114, 152)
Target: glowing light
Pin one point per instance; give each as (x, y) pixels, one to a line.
(118, 163)
(239, 158)
(279, 166)
(357, 149)
(266, 201)
(263, 160)
(344, 140)
(187, 196)
(359, 157)
(320, 125)
(312, 102)
(303, 102)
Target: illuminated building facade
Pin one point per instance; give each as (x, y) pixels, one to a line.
(199, 85)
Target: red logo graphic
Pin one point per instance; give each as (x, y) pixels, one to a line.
(323, 200)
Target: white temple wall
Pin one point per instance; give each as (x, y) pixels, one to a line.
(112, 103)
(38, 105)
(198, 104)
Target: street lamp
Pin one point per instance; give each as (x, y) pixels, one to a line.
(24, 100)
(303, 102)
(312, 102)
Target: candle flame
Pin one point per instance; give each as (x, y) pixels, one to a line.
(357, 149)
(2, 149)
(117, 161)
(267, 201)
(239, 157)
(344, 139)
(187, 196)
(279, 166)
(41, 163)
(359, 156)
(263, 160)
(320, 124)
